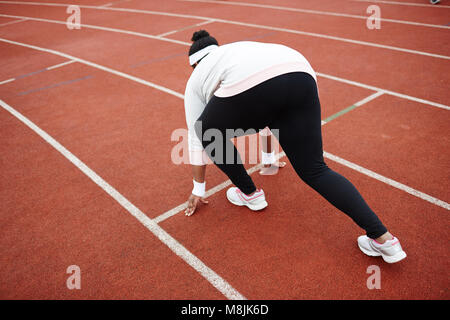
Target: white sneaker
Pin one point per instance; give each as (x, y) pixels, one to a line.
(257, 201)
(391, 250)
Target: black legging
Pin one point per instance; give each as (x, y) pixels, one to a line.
(290, 104)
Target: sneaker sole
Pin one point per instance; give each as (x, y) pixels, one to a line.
(254, 207)
(395, 258)
(389, 259)
(369, 253)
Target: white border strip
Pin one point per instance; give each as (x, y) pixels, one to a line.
(213, 278)
(310, 34)
(317, 12)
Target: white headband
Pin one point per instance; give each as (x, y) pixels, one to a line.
(194, 58)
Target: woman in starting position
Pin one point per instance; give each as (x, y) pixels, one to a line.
(245, 86)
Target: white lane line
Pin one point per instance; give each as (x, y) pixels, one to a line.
(369, 98)
(213, 278)
(31, 73)
(352, 107)
(185, 28)
(109, 8)
(97, 66)
(252, 25)
(174, 245)
(114, 3)
(392, 93)
(129, 77)
(328, 37)
(60, 65)
(388, 181)
(219, 283)
(7, 81)
(170, 213)
(354, 83)
(317, 12)
(429, 5)
(133, 33)
(12, 22)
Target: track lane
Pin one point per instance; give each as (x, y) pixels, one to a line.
(126, 138)
(107, 48)
(404, 36)
(301, 247)
(290, 22)
(106, 18)
(15, 64)
(427, 14)
(410, 142)
(53, 216)
(7, 21)
(378, 67)
(395, 71)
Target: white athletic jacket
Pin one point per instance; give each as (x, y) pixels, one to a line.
(231, 69)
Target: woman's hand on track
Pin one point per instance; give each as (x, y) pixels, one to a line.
(193, 202)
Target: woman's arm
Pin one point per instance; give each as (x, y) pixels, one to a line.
(194, 106)
(198, 172)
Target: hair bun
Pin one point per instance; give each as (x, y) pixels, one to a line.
(199, 35)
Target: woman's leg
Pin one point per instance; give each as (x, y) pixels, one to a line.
(289, 105)
(300, 136)
(211, 128)
(248, 112)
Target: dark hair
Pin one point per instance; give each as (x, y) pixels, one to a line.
(201, 39)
